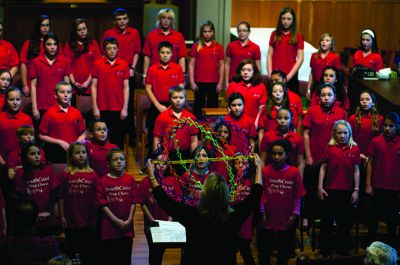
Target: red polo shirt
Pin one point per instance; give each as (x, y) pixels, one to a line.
(118, 194)
(321, 122)
(341, 161)
(57, 123)
(206, 68)
(156, 36)
(254, 96)
(363, 134)
(82, 65)
(238, 52)
(295, 140)
(110, 83)
(318, 64)
(167, 125)
(372, 61)
(316, 100)
(47, 77)
(97, 156)
(284, 56)
(79, 194)
(23, 56)
(8, 55)
(9, 124)
(128, 42)
(162, 79)
(386, 167)
(269, 123)
(282, 187)
(241, 130)
(295, 103)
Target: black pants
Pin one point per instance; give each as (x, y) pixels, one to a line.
(117, 251)
(156, 252)
(150, 121)
(337, 206)
(268, 240)
(311, 203)
(116, 126)
(82, 241)
(205, 89)
(130, 124)
(294, 84)
(384, 206)
(245, 250)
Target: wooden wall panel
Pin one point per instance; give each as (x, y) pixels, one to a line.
(345, 19)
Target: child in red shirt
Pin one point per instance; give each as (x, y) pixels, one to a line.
(284, 132)
(383, 182)
(164, 32)
(325, 56)
(368, 55)
(79, 185)
(240, 189)
(241, 49)
(151, 210)
(286, 48)
(8, 55)
(38, 182)
(174, 131)
(32, 48)
(332, 75)
(280, 207)
(277, 97)
(61, 125)
(192, 181)
(338, 187)
(160, 78)
(45, 72)
(206, 69)
(295, 102)
(82, 51)
(5, 81)
(222, 148)
(11, 118)
(243, 130)
(25, 135)
(117, 199)
(98, 146)
(110, 91)
(248, 82)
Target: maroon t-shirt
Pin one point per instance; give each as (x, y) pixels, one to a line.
(282, 187)
(242, 191)
(79, 194)
(118, 194)
(97, 156)
(363, 134)
(192, 186)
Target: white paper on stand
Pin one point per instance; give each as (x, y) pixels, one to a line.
(168, 232)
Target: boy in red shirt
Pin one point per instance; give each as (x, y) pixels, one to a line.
(174, 123)
(164, 32)
(110, 91)
(60, 126)
(98, 146)
(117, 199)
(160, 78)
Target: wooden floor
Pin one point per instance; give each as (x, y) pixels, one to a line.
(172, 256)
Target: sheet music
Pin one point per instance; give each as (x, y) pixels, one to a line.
(168, 232)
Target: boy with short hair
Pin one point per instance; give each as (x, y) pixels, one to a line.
(61, 125)
(98, 147)
(25, 135)
(110, 91)
(160, 78)
(173, 121)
